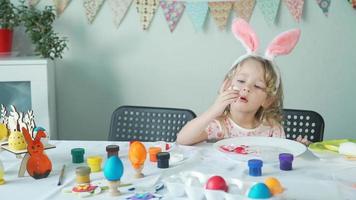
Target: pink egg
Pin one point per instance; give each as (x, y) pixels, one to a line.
(216, 183)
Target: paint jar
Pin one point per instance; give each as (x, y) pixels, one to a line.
(112, 150)
(285, 161)
(255, 167)
(77, 155)
(82, 175)
(153, 151)
(94, 162)
(163, 159)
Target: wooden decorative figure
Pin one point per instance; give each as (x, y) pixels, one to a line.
(29, 120)
(16, 138)
(21, 126)
(137, 156)
(4, 133)
(113, 171)
(38, 164)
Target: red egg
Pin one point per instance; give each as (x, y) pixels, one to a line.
(216, 183)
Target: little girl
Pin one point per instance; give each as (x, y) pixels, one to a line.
(250, 99)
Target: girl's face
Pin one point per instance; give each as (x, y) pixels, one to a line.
(249, 80)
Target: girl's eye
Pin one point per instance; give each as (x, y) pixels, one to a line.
(259, 87)
(240, 81)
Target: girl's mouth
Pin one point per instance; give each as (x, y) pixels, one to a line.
(243, 99)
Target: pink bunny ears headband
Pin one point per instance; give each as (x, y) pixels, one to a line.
(282, 44)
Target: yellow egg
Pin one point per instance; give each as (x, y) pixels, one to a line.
(2, 181)
(274, 185)
(17, 141)
(3, 131)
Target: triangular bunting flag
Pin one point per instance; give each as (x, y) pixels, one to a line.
(197, 12)
(146, 9)
(119, 8)
(60, 5)
(244, 8)
(33, 2)
(353, 3)
(324, 5)
(92, 8)
(220, 12)
(295, 7)
(172, 10)
(269, 9)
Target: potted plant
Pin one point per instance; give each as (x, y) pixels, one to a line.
(9, 19)
(38, 26)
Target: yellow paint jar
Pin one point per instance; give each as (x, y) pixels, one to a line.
(83, 175)
(94, 162)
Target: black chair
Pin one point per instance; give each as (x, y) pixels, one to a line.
(148, 123)
(303, 122)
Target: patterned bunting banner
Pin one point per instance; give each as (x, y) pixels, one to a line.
(269, 9)
(92, 8)
(220, 12)
(60, 6)
(197, 12)
(172, 10)
(119, 9)
(33, 2)
(244, 8)
(146, 9)
(295, 7)
(324, 5)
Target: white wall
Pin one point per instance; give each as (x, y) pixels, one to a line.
(106, 67)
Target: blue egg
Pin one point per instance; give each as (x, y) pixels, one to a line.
(259, 191)
(113, 168)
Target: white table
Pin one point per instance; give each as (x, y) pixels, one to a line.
(310, 178)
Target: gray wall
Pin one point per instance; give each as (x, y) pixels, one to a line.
(106, 67)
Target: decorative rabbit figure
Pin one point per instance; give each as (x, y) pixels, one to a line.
(38, 165)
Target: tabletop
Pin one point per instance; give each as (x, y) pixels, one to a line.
(311, 178)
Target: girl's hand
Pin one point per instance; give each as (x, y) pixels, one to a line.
(304, 140)
(226, 97)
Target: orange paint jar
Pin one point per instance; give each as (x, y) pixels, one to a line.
(153, 151)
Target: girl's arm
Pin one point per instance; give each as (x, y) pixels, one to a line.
(194, 131)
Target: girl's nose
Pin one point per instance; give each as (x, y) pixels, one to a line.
(245, 89)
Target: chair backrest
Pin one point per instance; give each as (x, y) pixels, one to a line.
(303, 122)
(148, 123)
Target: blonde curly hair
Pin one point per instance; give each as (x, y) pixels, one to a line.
(271, 115)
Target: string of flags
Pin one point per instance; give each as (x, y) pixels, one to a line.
(197, 11)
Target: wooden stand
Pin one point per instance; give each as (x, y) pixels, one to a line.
(139, 173)
(24, 161)
(113, 188)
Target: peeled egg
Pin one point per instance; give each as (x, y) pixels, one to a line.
(216, 183)
(259, 191)
(274, 185)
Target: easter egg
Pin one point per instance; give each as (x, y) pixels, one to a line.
(3, 131)
(274, 185)
(259, 191)
(216, 183)
(17, 141)
(137, 154)
(113, 168)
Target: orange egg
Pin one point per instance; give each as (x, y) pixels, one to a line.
(137, 154)
(274, 185)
